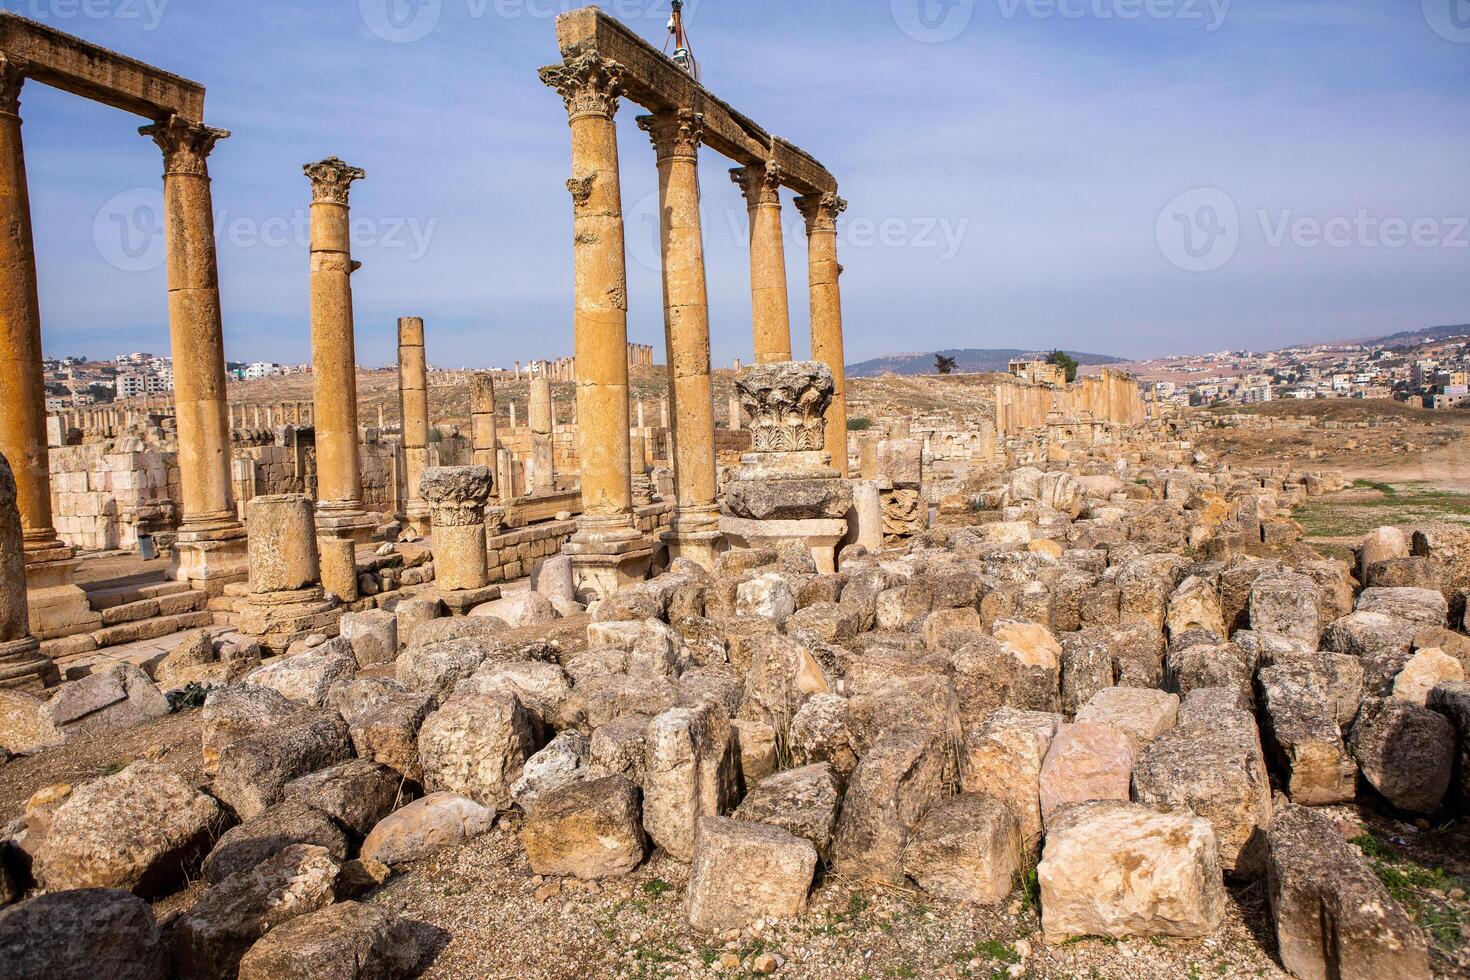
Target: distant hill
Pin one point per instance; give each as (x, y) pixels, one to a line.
(1421, 336)
(969, 360)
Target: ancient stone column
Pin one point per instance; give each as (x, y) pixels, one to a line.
(210, 550)
(735, 413)
(542, 456)
(334, 354)
(820, 212)
(286, 601)
(456, 498)
(23, 422)
(785, 491)
(694, 530)
(608, 550)
(761, 185)
(483, 436)
(413, 407)
(22, 665)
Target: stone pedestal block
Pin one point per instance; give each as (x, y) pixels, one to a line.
(456, 498)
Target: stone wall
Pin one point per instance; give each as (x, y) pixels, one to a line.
(514, 553)
(98, 494)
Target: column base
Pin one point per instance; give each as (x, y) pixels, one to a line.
(58, 607)
(23, 667)
(821, 535)
(356, 524)
(278, 619)
(417, 517)
(210, 557)
(694, 534)
(608, 553)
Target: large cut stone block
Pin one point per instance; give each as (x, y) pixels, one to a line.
(967, 849)
(591, 829)
(746, 871)
(689, 772)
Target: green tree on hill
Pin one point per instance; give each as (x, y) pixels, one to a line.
(944, 365)
(1066, 362)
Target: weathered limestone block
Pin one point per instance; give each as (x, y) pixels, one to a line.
(744, 871)
(819, 733)
(476, 745)
(357, 793)
(388, 732)
(618, 748)
(1286, 604)
(1086, 666)
(1121, 869)
(438, 667)
(519, 609)
(233, 713)
(255, 769)
(282, 557)
(1378, 545)
(286, 824)
(1207, 665)
(1194, 605)
(1406, 752)
(456, 498)
(1085, 761)
(210, 938)
(768, 596)
(802, 801)
(893, 786)
(590, 829)
(1452, 700)
(782, 675)
(1333, 917)
(1217, 772)
(650, 646)
(25, 725)
(84, 934)
(755, 741)
(561, 762)
(118, 697)
(1426, 607)
(1301, 729)
(1424, 671)
(307, 677)
(689, 773)
(1003, 758)
(543, 688)
(967, 849)
(1142, 714)
(348, 940)
(991, 674)
(143, 829)
(425, 827)
(925, 705)
(373, 636)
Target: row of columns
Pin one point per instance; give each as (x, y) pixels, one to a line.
(211, 539)
(590, 87)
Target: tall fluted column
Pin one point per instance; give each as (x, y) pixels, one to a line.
(607, 550)
(211, 542)
(695, 529)
(23, 421)
(413, 408)
(820, 212)
(483, 433)
(761, 185)
(334, 353)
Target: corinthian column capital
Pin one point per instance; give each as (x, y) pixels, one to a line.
(331, 180)
(821, 211)
(589, 84)
(186, 145)
(674, 132)
(759, 182)
(12, 77)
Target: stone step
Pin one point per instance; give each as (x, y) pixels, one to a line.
(148, 629)
(104, 596)
(171, 604)
(140, 653)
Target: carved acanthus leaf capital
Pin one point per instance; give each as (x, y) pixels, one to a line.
(675, 133)
(821, 211)
(12, 77)
(186, 145)
(760, 182)
(787, 403)
(589, 84)
(331, 180)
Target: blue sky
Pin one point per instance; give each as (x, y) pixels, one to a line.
(1134, 177)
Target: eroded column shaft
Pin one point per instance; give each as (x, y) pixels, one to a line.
(826, 311)
(761, 185)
